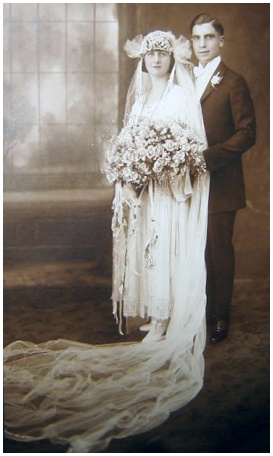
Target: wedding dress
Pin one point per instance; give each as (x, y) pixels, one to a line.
(85, 395)
(149, 265)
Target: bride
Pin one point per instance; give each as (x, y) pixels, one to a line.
(86, 395)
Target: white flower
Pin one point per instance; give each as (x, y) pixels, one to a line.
(142, 153)
(216, 79)
(135, 157)
(170, 145)
(151, 152)
(144, 168)
(159, 149)
(158, 165)
(180, 155)
(127, 158)
(176, 163)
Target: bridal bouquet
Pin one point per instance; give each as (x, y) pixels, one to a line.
(156, 150)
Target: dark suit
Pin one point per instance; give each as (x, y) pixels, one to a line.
(230, 127)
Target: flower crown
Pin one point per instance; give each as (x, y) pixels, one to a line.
(158, 40)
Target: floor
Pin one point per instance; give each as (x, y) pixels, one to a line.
(230, 414)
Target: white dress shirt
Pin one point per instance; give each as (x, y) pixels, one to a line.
(204, 74)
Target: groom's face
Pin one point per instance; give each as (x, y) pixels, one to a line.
(206, 42)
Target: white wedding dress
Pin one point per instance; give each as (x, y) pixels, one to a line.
(85, 395)
(150, 242)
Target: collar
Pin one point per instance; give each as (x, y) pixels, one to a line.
(208, 69)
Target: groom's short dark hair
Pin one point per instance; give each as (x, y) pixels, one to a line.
(205, 18)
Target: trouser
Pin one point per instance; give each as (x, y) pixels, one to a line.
(220, 263)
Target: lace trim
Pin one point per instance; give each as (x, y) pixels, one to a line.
(160, 309)
(131, 307)
(164, 191)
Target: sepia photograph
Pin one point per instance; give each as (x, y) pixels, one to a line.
(136, 227)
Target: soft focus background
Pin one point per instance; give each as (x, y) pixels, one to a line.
(61, 92)
(65, 82)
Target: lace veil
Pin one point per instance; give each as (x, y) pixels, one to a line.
(85, 395)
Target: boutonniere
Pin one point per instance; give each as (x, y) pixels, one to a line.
(216, 79)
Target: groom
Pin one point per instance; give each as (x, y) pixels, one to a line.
(230, 127)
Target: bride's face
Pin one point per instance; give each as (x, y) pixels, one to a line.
(157, 63)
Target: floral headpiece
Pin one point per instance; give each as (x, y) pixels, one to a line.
(161, 41)
(158, 40)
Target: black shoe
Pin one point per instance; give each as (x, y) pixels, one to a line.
(218, 335)
(220, 332)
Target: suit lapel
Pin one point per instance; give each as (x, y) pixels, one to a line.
(221, 69)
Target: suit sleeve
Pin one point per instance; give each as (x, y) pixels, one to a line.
(220, 155)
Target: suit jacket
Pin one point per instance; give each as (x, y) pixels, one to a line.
(230, 127)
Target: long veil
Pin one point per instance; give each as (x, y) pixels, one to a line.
(85, 395)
